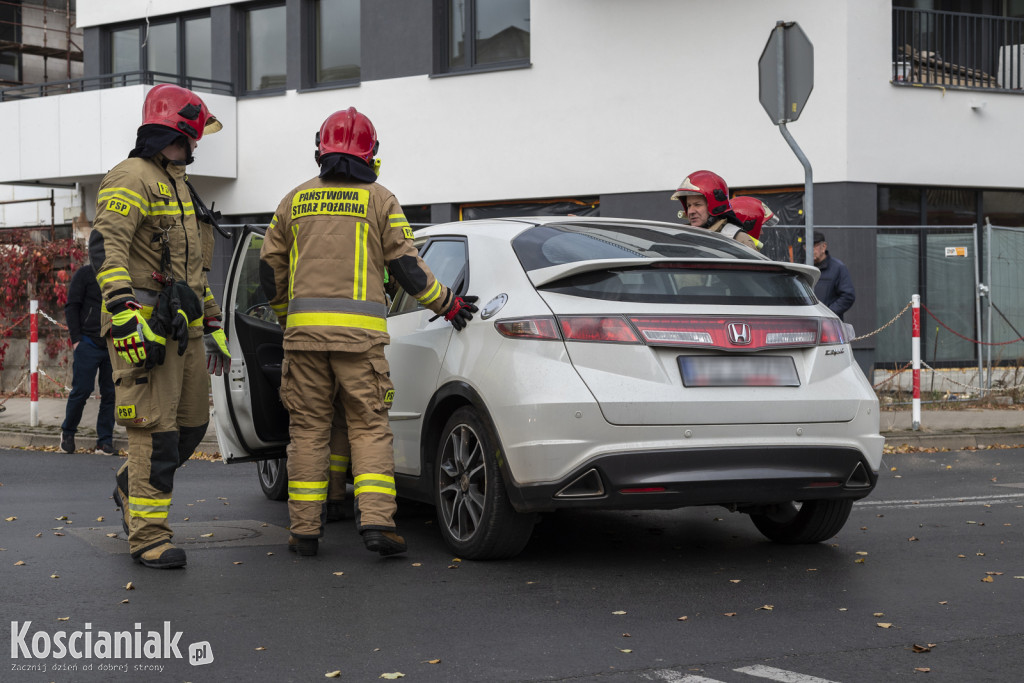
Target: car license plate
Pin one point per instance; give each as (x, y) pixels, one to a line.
(738, 371)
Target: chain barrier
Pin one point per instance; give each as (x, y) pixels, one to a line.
(892, 376)
(895, 318)
(4, 332)
(971, 386)
(973, 341)
(55, 322)
(17, 386)
(59, 384)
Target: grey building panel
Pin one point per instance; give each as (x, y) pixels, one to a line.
(444, 213)
(225, 53)
(92, 52)
(651, 206)
(397, 36)
(295, 30)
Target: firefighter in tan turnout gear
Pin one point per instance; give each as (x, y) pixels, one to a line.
(322, 266)
(151, 246)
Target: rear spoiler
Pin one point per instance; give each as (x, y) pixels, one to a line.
(545, 276)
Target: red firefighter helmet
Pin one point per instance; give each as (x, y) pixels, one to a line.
(709, 185)
(175, 107)
(753, 215)
(348, 132)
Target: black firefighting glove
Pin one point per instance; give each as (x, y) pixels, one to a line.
(134, 340)
(461, 311)
(183, 307)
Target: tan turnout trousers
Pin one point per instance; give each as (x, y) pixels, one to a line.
(165, 411)
(310, 380)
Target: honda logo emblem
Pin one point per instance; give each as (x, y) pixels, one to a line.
(739, 333)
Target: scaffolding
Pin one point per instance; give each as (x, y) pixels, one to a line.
(44, 31)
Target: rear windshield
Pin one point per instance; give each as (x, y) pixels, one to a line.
(742, 278)
(551, 245)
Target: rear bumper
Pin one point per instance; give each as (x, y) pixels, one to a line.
(740, 476)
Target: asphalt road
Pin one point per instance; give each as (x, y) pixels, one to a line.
(936, 552)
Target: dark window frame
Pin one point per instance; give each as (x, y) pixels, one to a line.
(178, 20)
(308, 28)
(442, 37)
(243, 61)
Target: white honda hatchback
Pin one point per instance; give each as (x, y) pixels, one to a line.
(614, 364)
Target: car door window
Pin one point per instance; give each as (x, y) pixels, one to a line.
(446, 258)
(250, 299)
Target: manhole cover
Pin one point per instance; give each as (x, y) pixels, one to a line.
(193, 535)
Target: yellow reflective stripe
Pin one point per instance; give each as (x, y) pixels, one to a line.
(198, 322)
(431, 295)
(172, 210)
(273, 224)
(127, 196)
(155, 502)
(307, 490)
(374, 483)
(148, 507)
(359, 281)
(375, 489)
(342, 463)
(280, 309)
(109, 275)
(363, 322)
(293, 261)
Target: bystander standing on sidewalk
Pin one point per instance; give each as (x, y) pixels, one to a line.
(835, 286)
(91, 360)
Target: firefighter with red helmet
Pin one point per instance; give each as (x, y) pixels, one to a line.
(705, 199)
(322, 267)
(151, 247)
(753, 215)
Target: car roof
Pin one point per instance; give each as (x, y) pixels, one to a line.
(510, 227)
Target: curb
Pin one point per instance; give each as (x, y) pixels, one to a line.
(30, 439)
(953, 441)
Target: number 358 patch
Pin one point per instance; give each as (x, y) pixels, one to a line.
(118, 206)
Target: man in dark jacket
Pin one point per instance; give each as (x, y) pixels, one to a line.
(82, 312)
(835, 286)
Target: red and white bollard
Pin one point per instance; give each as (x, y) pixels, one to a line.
(33, 363)
(915, 351)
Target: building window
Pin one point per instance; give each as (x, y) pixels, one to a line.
(10, 73)
(176, 51)
(266, 63)
(483, 34)
(336, 27)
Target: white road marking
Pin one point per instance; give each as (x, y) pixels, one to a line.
(678, 677)
(780, 675)
(943, 502)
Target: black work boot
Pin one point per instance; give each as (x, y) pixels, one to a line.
(121, 500)
(384, 542)
(164, 556)
(305, 547)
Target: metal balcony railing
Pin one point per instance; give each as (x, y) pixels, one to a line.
(957, 50)
(118, 80)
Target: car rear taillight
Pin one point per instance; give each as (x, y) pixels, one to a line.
(738, 334)
(529, 328)
(597, 329)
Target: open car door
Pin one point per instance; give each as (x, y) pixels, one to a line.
(252, 423)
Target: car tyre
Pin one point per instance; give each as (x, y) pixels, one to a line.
(273, 475)
(476, 518)
(811, 521)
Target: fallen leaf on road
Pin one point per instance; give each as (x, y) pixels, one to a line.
(860, 552)
(417, 564)
(920, 648)
(859, 560)
(626, 651)
(63, 618)
(994, 573)
(618, 612)
(922, 669)
(125, 601)
(129, 586)
(391, 677)
(338, 573)
(332, 674)
(99, 519)
(433, 661)
(878, 614)
(913, 538)
(54, 576)
(19, 563)
(626, 635)
(236, 563)
(883, 624)
(735, 580)
(685, 618)
(260, 649)
(946, 602)
(209, 535)
(988, 579)
(57, 533)
(39, 535)
(111, 535)
(62, 517)
(768, 608)
(729, 614)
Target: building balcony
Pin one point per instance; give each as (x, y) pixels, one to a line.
(65, 132)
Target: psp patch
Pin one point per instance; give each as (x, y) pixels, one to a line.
(389, 397)
(126, 412)
(118, 206)
(164, 190)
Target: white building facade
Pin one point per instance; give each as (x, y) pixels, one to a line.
(599, 104)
